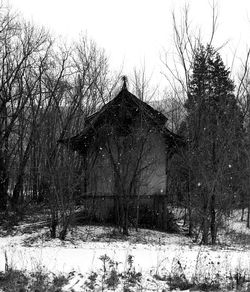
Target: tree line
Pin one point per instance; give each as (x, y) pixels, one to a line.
(47, 89)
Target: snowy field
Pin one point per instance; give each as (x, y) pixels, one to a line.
(154, 254)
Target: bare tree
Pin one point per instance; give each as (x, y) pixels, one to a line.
(83, 86)
(142, 84)
(30, 118)
(23, 51)
(178, 71)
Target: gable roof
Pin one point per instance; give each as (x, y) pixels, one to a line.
(116, 110)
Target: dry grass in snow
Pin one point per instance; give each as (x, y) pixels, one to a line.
(156, 256)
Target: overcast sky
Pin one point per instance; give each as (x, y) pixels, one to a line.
(134, 32)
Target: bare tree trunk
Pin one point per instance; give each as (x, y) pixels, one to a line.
(213, 219)
(63, 232)
(242, 214)
(185, 216)
(53, 224)
(137, 213)
(164, 214)
(35, 185)
(65, 224)
(205, 224)
(16, 192)
(35, 171)
(3, 184)
(248, 217)
(125, 220)
(19, 184)
(212, 201)
(4, 174)
(205, 230)
(190, 225)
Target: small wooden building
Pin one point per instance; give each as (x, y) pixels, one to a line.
(125, 147)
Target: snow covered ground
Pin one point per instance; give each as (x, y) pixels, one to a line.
(153, 252)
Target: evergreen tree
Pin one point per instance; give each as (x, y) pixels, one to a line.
(214, 133)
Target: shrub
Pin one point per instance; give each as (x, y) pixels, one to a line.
(14, 280)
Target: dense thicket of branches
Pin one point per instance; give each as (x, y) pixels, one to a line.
(48, 89)
(213, 129)
(209, 177)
